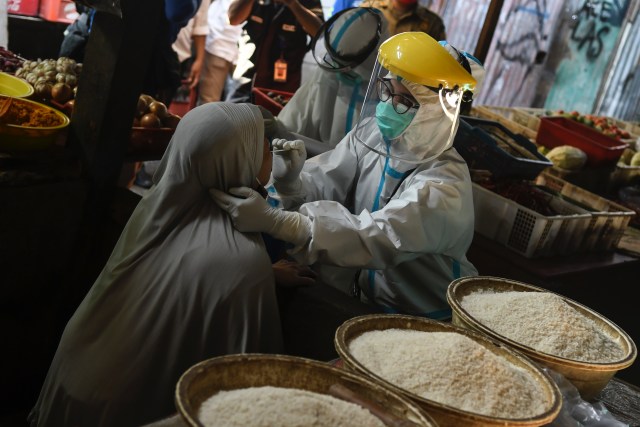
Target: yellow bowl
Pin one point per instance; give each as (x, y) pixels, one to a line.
(14, 86)
(17, 138)
(447, 415)
(238, 371)
(588, 378)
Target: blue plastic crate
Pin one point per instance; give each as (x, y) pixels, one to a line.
(488, 145)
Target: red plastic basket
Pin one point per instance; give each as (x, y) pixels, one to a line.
(601, 150)
(261, 97)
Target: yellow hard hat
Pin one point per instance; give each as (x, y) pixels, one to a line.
(418, 57)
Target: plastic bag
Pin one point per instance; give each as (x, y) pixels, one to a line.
(575, 411)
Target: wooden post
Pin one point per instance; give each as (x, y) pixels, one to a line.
(489, 27)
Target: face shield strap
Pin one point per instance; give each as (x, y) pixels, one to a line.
(453, 117)
(452, 100)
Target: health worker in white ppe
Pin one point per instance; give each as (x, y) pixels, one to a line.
(328, 104)
(388, 213)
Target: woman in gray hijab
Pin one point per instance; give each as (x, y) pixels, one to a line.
(181, 285)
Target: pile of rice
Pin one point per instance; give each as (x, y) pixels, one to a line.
(451, 369)
(545, 322)
(285, 407)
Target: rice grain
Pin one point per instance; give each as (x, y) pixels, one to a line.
(270, 406)
(451, 369)
(545, 322)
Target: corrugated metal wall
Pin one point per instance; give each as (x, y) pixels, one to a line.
(542, 52)
(620, 94)
(518, 52)
(463, 19)
(585, 44)
(534, 60)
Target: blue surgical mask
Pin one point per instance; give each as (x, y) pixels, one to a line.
(391, 123)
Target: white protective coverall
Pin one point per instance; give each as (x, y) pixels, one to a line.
(327, 106)
(411, 241)
(401, 225)
(181, 285)
(408, 227)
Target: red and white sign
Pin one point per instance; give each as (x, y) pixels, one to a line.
(58, 10)
(23, 7)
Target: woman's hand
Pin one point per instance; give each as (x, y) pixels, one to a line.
(290, 274)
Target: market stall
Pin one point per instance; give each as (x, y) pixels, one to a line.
(62, 207)
(568, 240)
(583, 387)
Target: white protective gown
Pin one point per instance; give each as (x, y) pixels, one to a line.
(182, 285)
(327, 106)
(414, 239)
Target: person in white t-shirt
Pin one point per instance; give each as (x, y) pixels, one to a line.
(221, 52)
(191, 39)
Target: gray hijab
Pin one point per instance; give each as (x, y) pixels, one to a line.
(181, 285)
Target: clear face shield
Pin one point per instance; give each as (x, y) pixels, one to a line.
(405, 120)
(347, 39)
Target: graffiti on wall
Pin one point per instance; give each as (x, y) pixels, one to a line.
(593, 22)
(593, 29)
(520, 46)
(527, 43)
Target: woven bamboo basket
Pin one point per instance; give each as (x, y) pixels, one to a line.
(232, 372)
(446, 415)
(588, 378)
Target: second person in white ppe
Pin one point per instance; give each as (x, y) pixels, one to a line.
(327, 106)
(388, 213)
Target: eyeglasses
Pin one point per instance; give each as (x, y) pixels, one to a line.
(401, 103)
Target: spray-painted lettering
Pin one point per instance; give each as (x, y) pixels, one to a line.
(524, 46)
(593, 22)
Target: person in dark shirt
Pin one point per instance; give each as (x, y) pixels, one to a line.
(409, 15)
(280, 31)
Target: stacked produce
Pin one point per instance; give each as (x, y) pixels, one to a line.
(153, 126)
(630, 157)
(153, 114)
(604, 125)
(565, 157)
(52, 79)
(627, 178)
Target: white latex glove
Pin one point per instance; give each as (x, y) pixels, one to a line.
(251, 213)
(288, 160)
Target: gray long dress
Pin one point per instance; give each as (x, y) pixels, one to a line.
(181, 285)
